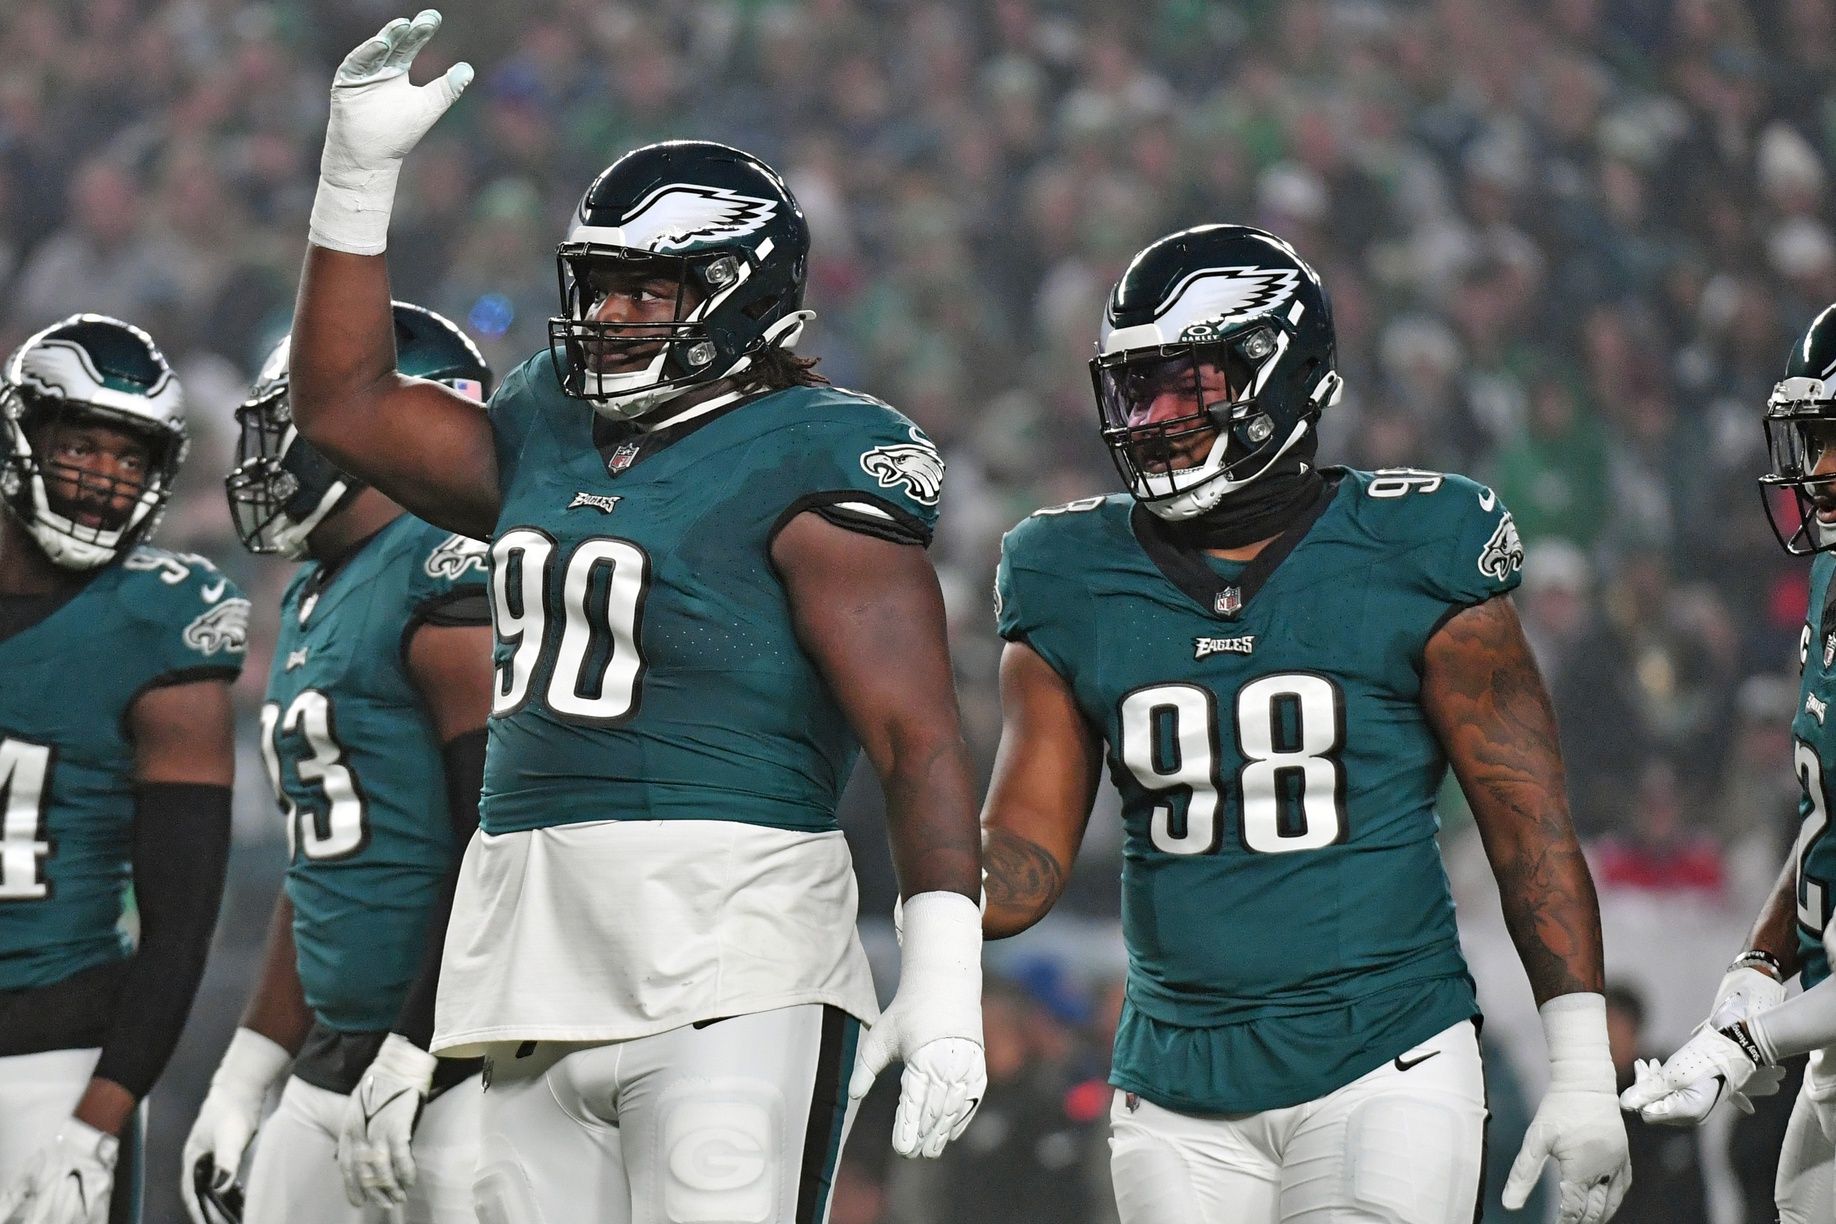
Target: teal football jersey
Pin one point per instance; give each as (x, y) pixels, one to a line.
(1288, 921)
(647, 666)
(355, 765)
(1814, 757)
(66, 759)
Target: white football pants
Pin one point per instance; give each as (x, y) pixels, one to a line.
(739, 1119)
(295, 1178)
(1805, 1187)
(37, 1092)
(1391, 1147)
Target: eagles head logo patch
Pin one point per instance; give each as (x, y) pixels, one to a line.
(222, 629)
(915, 464)
(455, 555)
(679, 215)
(1503, 554)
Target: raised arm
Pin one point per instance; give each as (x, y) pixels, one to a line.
(1045, 778)
(870, 613)
(426, 446)
(1487, 704)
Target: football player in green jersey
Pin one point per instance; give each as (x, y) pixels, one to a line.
(1279, 662)
(1751, 1027)
(710, 593)
(116, 761)
(373, 733)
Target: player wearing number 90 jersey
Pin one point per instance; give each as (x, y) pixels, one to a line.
(1281, 662)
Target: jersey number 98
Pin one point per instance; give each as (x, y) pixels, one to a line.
(1290, 789)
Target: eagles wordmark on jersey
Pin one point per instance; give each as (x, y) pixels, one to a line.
(1278, 773)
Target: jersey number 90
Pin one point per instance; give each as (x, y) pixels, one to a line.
(1289, 730)
(589, 650)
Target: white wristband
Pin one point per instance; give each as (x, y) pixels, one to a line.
(1574, 1028)
(354, 219)
(941, 964)
(250, 1064)
(405, 1061)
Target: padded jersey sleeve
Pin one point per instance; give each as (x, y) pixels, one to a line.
(865, 467)
(1032, 606)
(447, 579)
(1480, 555)
(195, 617)
(512, 412)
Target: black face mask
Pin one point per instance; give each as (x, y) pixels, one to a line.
(1261, 510)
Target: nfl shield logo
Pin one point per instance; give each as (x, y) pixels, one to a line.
(1229, 601)
(622, 458)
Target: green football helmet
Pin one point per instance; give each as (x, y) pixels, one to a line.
(1800, 425)
(88, 369)
(1231, 322)
(282, 487)
(717, 223)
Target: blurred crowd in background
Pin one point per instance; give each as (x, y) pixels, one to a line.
(1568, 243)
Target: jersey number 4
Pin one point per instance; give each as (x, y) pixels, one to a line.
(589, 651)
(25, 797)
(1289, 729)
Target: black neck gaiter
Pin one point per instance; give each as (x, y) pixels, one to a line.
(1259, 511)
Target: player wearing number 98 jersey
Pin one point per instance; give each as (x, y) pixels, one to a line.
(372, 729)
(1281, 661)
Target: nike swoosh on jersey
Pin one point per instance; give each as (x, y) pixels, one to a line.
(1402, 1065)
(1487, 500)
(214, 591)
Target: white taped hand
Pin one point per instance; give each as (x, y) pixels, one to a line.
(374, 1153)
(231, 1112)
(67, 1181)
(1578, 1121)
(377, 116)
(933, 1024)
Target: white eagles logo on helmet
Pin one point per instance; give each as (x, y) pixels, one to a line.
(223, 628)
(1210, 300)
(915, 464)
(681, 214)
(455, 555)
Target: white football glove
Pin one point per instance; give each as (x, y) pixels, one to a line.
(933, 1024)
(1578, 1121)
(379, 1118)
(230, 1114)
(67, 1181)
(376, 117)
(1675, 1095)
(1743, 992)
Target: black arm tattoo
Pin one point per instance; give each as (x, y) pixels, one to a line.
(1487, 703)
(1023, 879)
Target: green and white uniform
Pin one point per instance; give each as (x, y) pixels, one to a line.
(1288, 921)
(67, 802)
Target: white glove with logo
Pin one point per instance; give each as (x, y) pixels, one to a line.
(379, 1118)
(67, 1181)
(230, 1114)
(1656, 1096)
(933, 1024)
(376, 117)
(1729, 1055)
(1578, 1121)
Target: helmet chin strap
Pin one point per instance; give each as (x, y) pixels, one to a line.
(630, 405)
(1257, 508)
